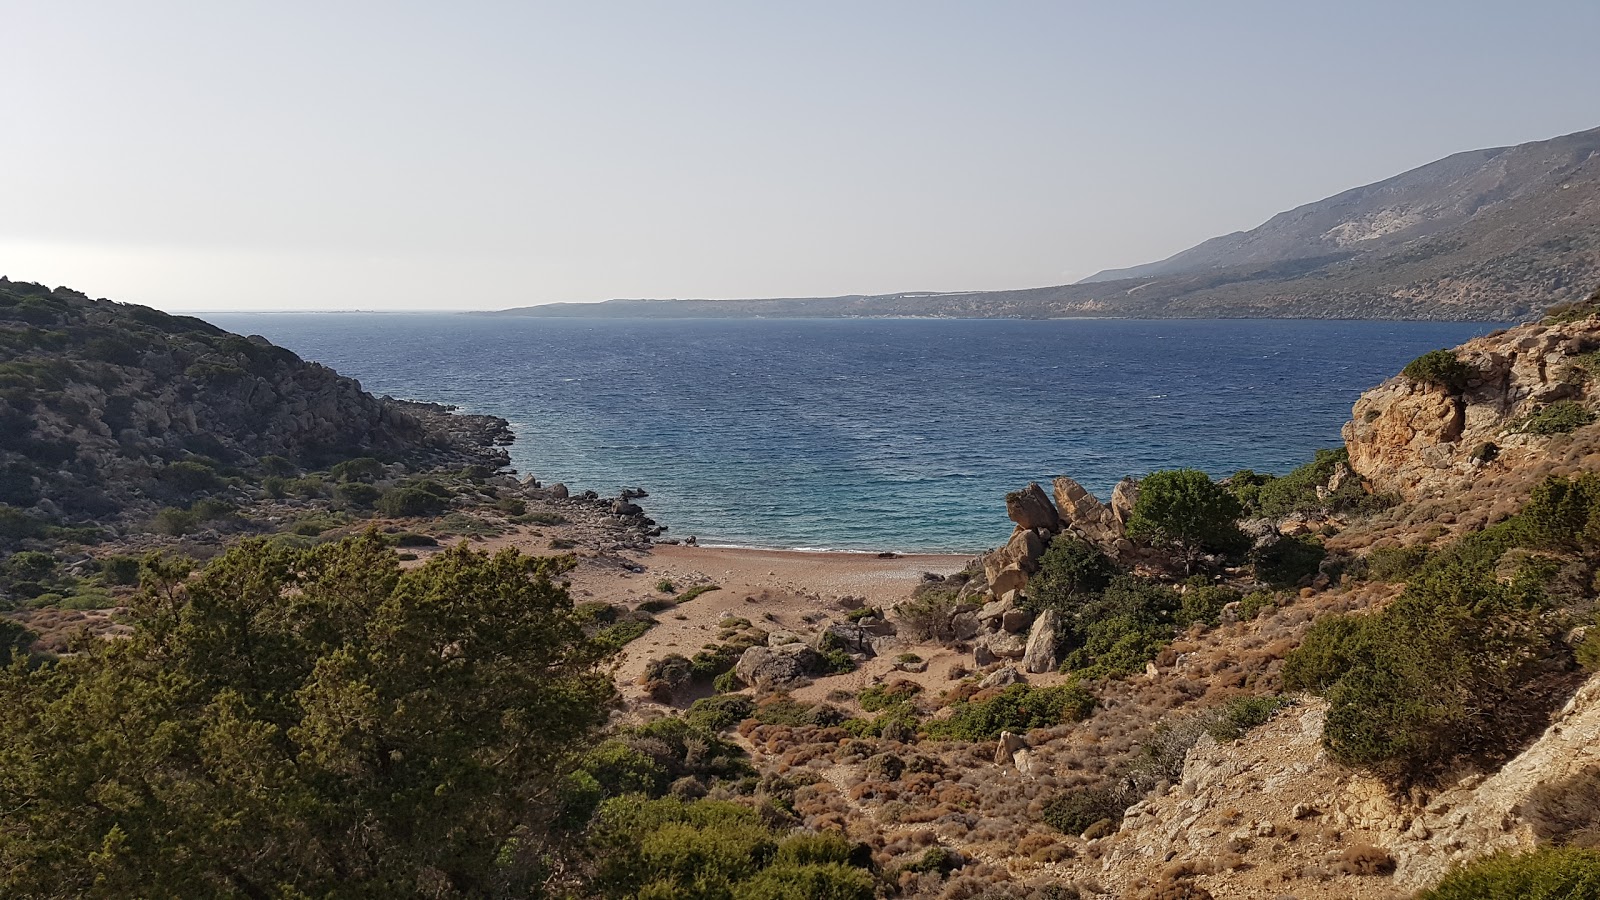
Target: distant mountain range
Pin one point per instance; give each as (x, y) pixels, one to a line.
(1496, 234)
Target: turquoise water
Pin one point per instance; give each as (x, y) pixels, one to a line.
(870, 434)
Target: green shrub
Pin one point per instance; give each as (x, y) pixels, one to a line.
(276, 466)
(1204, 604)
(1550, 873)
(1254, 603)
(727, 682)
(188, 478)
(620, 634)
(275, 487)
(16, 525)
(29, 565)
(666, 586)
(1439, 367)
(1236, 717)
(1559, 417)
(1288, 561)
(1395, 563)
(412, 539)
(1186, 510)
(1075, 810)
(1297, 492)
(357, 495)
(1017, 708)
(721, 712)
(539, 518)
(1120, 631)
(410, 501)
(833, 881)
(363, 469)
(938, 860)
(1070, 569)
(123, 570)
(175, 522)
(882, 696)
(695, 591)
(511, 506)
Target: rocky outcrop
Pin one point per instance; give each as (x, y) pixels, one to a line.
(1039, 520)
(1417, 438)
(1082, 512)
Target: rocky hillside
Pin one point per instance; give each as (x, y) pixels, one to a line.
(109, 409)
(1486, 235)
(1536, 179)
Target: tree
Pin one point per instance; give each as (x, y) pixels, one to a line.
(1185, 509)
(304, 723)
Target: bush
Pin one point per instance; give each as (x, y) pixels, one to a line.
(1288, 561)
(880, 696)
(175, 522)
(1439, 367)
(1559, 417)
(666, 586)
(1076, 810)
(1204, 604)
(188, 478)
(1119, 631)
(1236, 717)
(1395, 563)
(1017, 708)
(1551, 873)
(29, 565)
(930, 616)
(721, 712)
(1185, 509)
(120, 570)
(1071, 568)
(363, 469)
(357, 494)
(408, 500)
(1298, 492)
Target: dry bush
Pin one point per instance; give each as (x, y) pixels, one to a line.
(1364, 859)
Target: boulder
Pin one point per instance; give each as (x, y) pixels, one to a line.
(1010, 578)
(1024, 761)
(776, 667)
(1026, 548)
(557, 491)
(875, 626)
(626, 509)
(982, 656)
(1016, 621)
(1040, 654)
(1030, 508)
(994, 611)
(964, 625)
(849, 636)
(1123, 497)
(1005, 644)
(1002, 677)
(1007, 748)
(1083, 512)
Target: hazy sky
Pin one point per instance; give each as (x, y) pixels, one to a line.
(391, 155)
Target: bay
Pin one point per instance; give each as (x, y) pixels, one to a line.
(869, 434)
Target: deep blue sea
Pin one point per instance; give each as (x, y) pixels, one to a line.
(900, 434)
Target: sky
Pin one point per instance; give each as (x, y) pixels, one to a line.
(476, 155)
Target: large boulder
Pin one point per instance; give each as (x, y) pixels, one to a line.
(1040, 654)
(777, 667)
(1031, 508)
(1009, 745)
(849, 636)
(1082, 512)
(1004, 644)
(1001, 677)
(1010, 578)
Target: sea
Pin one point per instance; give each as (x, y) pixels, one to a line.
(869, 434)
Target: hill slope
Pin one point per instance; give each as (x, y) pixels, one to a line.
(109, 409)
(1488, 235)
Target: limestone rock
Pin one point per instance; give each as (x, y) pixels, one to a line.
(1004, 644)
(1016, 621)
(1001, 677)
(1416, 439)
(1009, 745)
(1030, 508)
(1039, 655)
(776, 667)
(1082, 512)
(1010, 578)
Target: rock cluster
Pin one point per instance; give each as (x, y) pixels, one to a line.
(1039, 519)
(1418, 438)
